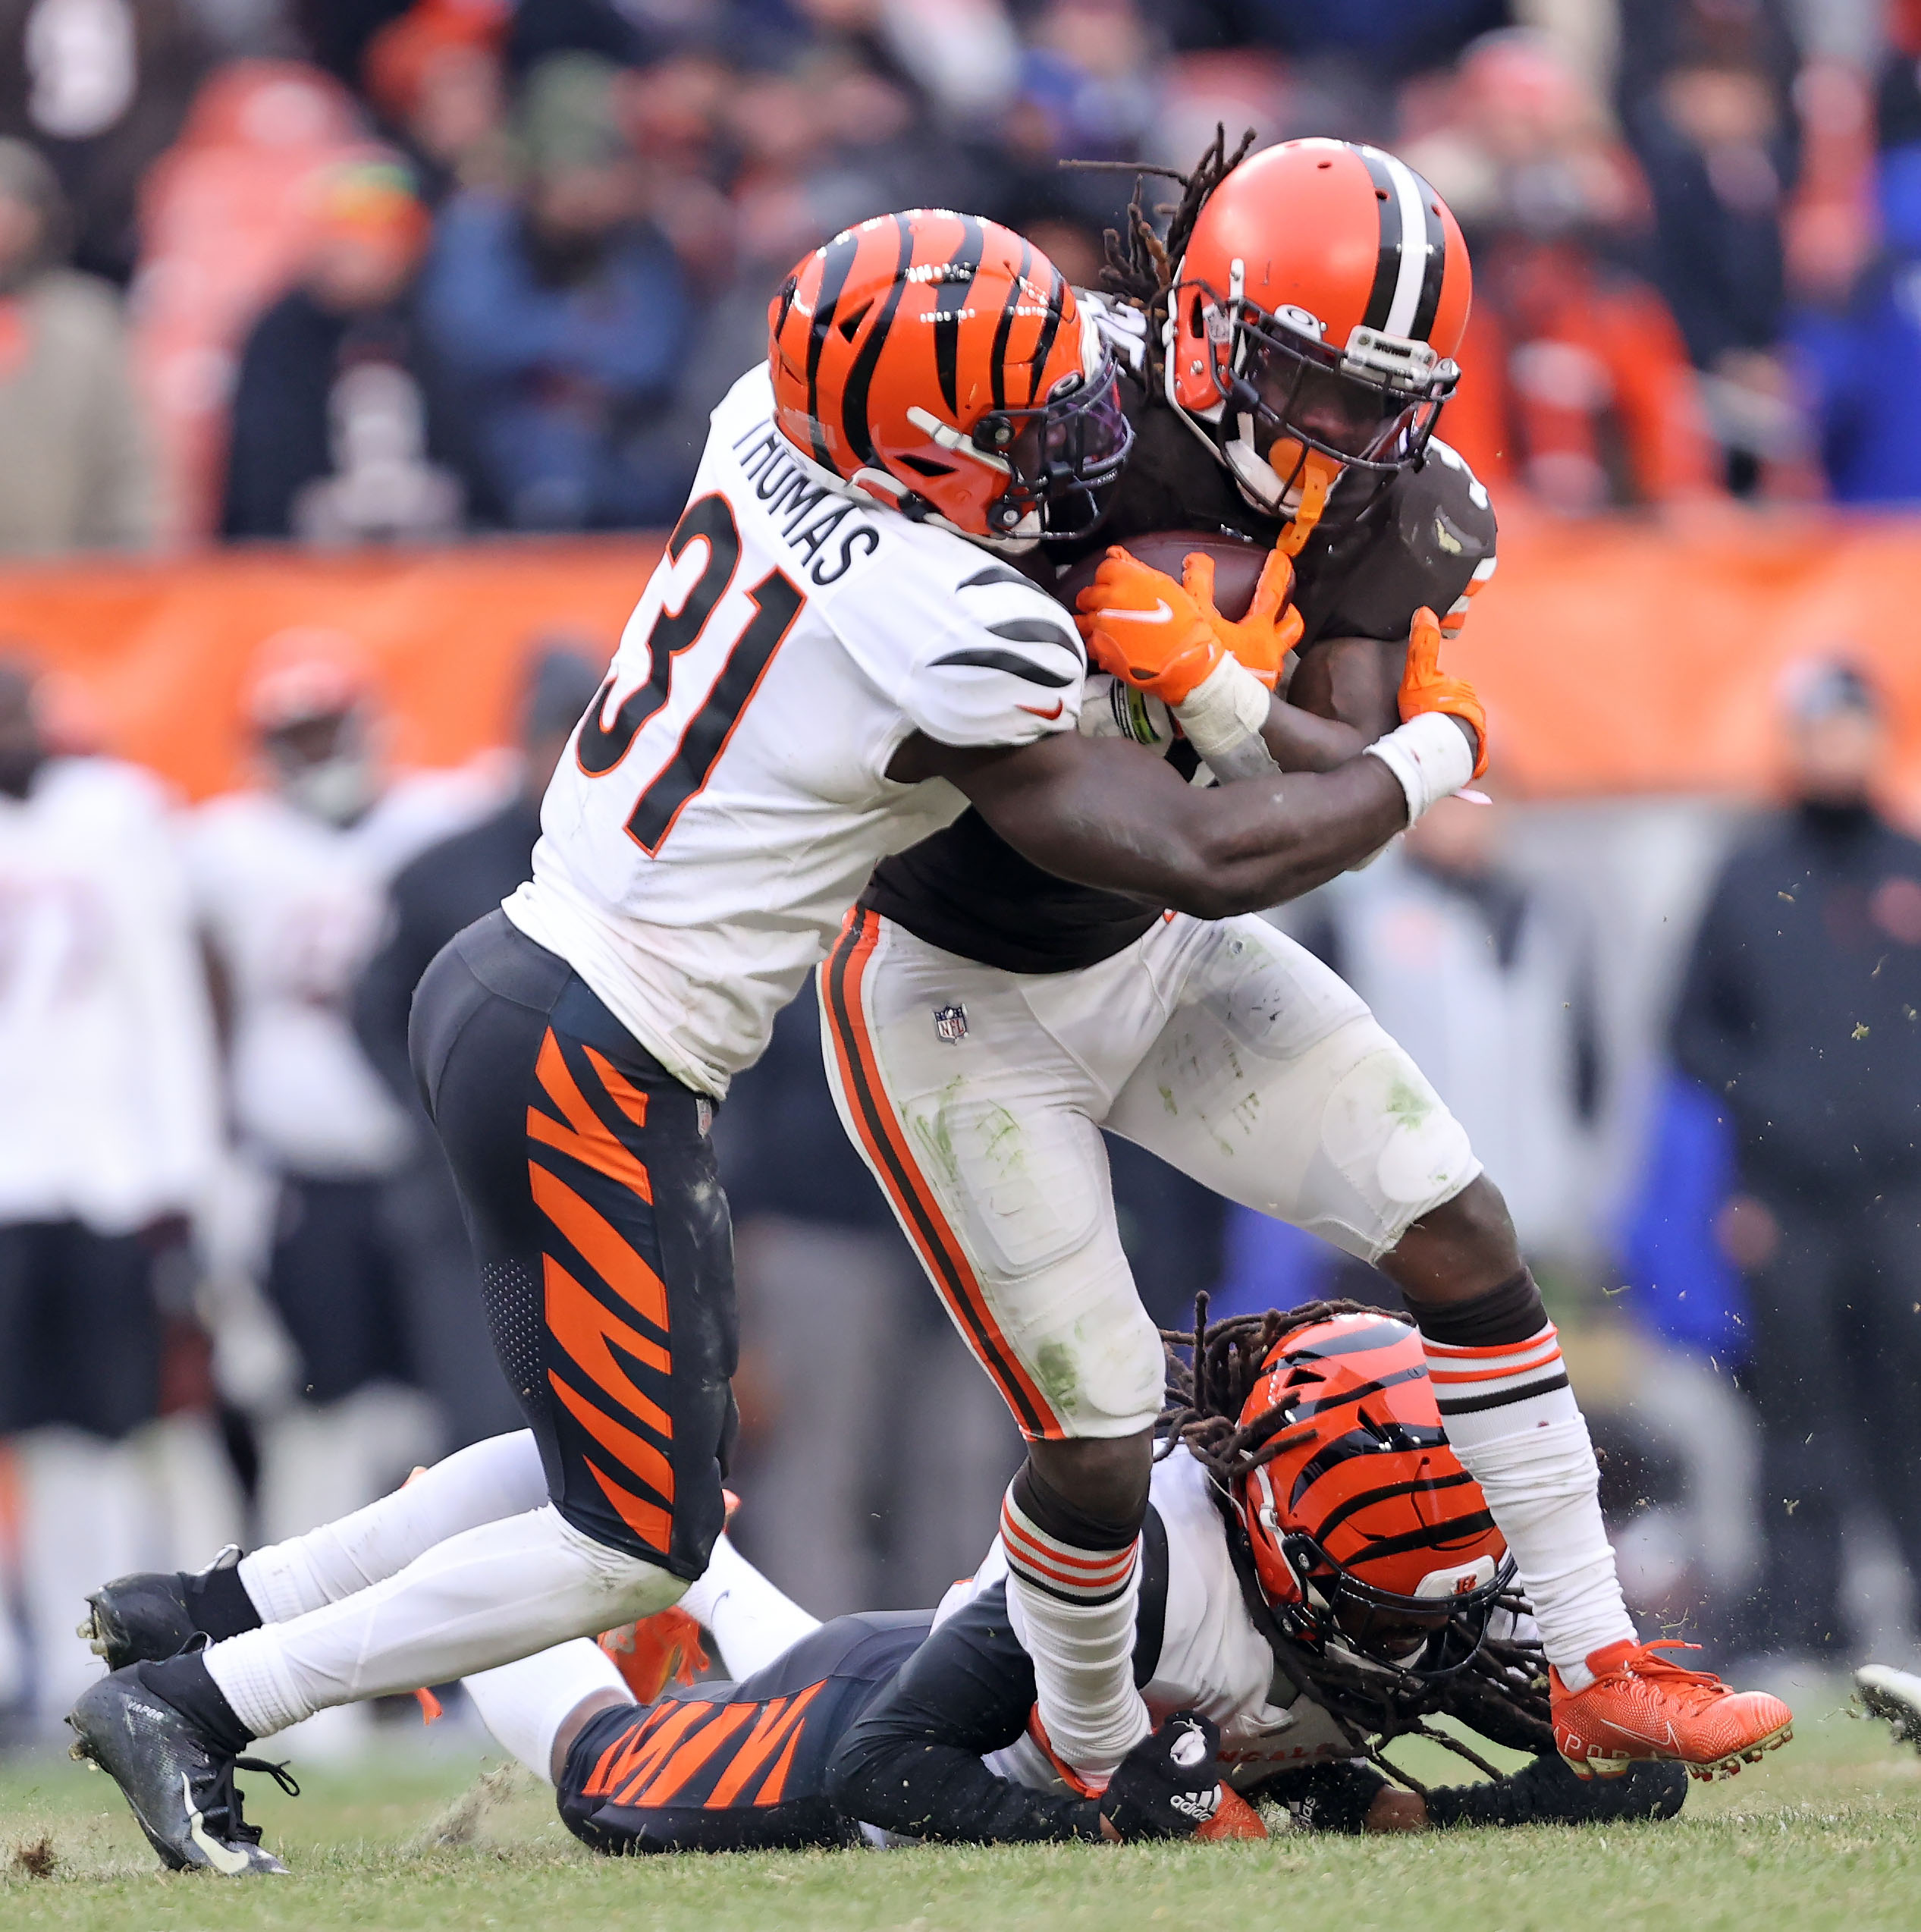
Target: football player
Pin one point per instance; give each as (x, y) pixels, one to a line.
(1320, 1576)
(1286, 355)
(827, 663)
(291, 875)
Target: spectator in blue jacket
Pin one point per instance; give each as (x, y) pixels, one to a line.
(562, 318)
(1863, 366)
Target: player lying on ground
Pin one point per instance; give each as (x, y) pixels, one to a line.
(824, 666)
(1284, 359)
(1302, 1638)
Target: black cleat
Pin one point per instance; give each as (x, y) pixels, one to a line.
(180, 1788)
(1893, 1695)
(146, 1617)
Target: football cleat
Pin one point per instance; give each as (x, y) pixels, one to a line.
(653, 1650)
(146, 1617)
(1641, 1707)
(1894, 1695)
(179, 1787)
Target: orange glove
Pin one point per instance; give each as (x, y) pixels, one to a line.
(1424, 687)
(1262, 639)
(1143, 627)
(1165, 637)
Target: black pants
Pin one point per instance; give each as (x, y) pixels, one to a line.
(589, 1187)
(736, 1767)
(1834, 1370)
(79, 1332)
(333, 1276)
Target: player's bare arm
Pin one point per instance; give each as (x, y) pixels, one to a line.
(1349, 682)
(1113, 814)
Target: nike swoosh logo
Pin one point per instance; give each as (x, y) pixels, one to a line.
(1670, 1743)
(223, 1858)
(1060, 704)
(1162, 613)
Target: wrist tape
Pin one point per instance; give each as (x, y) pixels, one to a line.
(1431, 755)
(1223, 716)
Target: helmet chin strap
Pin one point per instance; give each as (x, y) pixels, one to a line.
(889, 489)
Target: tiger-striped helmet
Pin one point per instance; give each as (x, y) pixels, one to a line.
(941, 364)
(1316, 313)
(1360, 1514)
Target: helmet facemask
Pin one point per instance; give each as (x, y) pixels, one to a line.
(1060, 458)
(1426, 1636)
(1295, 412)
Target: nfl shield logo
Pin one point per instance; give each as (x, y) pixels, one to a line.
(950, 1023)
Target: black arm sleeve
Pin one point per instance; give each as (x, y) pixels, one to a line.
(912, 1762)
(1545, 1792)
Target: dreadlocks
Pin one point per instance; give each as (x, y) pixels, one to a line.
(1140, 264)
(1500, 1692)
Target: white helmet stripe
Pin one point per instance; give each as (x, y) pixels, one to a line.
(1415, 245)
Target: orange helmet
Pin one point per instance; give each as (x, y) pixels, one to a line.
(303, 673)
(1358, 1511)
(940, 362)
(1313, 320)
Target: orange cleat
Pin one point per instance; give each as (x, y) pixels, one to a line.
(1639, 1706)
(651, 1651)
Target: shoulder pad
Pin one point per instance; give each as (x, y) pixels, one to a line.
(1432, 545)
(997, 661)
(1122, 328)
(1445, 481)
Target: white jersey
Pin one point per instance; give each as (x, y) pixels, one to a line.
(107, 1061)
(295, 907)
(1213, 1659)
(723, 805)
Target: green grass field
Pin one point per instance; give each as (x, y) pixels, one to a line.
(1822, 1836)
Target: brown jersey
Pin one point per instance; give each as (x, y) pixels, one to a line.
(1381, 550)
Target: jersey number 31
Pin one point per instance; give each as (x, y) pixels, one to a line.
(777, 603)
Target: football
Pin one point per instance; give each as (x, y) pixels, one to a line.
(1237, 566)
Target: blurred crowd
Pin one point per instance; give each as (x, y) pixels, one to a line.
(354, 271)
(338, 271)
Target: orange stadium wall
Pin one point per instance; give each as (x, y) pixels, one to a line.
(1614, 657)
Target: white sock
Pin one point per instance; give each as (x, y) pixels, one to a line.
(481, 1599)
(501, 1477)
(752, 1622)
(524, 1704)
(1514, 1424)
(1073, 1612)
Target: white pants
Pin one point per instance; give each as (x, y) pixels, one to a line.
(977, 1097)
